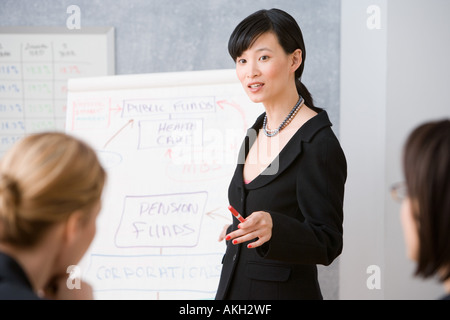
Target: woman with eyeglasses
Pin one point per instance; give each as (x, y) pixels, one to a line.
(425, 210)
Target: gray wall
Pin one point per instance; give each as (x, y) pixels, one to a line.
(183, 35)
(363, 104)
(393, 79)
(418, 85)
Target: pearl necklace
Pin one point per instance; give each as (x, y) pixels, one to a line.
(287, 120)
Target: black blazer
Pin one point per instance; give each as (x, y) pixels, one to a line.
(14, 284)
(304, 196)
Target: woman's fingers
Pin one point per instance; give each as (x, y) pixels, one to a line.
(257, 226)
(224, 232)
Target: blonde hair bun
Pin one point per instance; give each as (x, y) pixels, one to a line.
(44, 178)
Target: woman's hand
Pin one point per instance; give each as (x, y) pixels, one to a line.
(224, 232)
(258, 226)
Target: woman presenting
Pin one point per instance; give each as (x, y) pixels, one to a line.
(289, 181)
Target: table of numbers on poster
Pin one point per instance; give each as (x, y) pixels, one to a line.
(34, 71)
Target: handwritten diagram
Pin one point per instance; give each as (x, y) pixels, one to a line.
(170, 153)
(170, 220)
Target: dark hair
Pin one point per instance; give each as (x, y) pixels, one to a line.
(289, 36)
(426, 165)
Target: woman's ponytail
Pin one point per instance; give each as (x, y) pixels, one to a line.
(9, 204)
(306, 95)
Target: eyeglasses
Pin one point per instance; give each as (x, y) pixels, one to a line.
(399, 191)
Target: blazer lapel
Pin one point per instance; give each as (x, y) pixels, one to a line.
(287, 155)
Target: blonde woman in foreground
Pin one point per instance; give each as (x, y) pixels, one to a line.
(50, 195)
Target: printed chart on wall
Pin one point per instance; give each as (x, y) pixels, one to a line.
(35, 65)
(169, 142)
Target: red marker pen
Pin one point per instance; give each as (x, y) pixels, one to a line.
(236, 214)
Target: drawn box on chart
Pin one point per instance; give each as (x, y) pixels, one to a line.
(170, 133)
(168, 220)
(138, 108)
(197, 272)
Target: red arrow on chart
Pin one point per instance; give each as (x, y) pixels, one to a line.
(115, 135)
(213, 213)
(222, 104)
